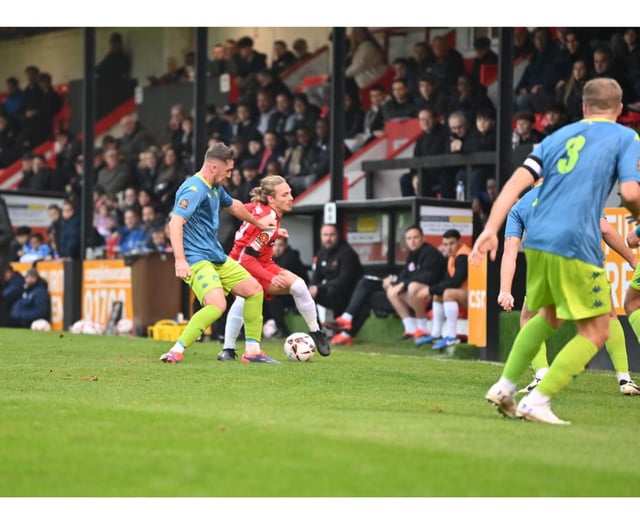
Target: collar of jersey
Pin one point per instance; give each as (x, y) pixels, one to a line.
(202, 179)
(596, 119)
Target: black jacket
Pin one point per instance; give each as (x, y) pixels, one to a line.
(290, 260)
(337, 267)
(426, 265)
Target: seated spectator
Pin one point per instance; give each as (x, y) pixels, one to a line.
(524, 129)
(305, 113)
(271, 83)
(353, 117)
(406, 293)
(482, 138)
(116, 175)
(249, 62)
(158, 240)
(14, 102)
(151, 219)
(34, 303)
(270, 152)
(170, 176)
(283, 59)
(275, 309)
(68, 150)
(70, 232)
(36, 249)
(459, 142)
(266, 109)
(447, 64)
(300, 49)
(218, 65)
(606, 66)
(54, 229)
(187, 145)
(400, 105)
(484, 56)
(373, 118)
(104, 220)
(522, 43)
(466, 98)
(134, 140)
(131, 236)
(336, 269)
(12, 286)
(301, 177)
(10, 146)
(174, 73)
(284, 118)
(449, 294)
(570, 93)
(21, 239)
(36, 175)
(486, 198)
(116, 64)
(432, 141)
(556, 115)
(430, 97)
(402, 71)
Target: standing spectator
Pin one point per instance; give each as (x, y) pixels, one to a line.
(34, 303)
(249, 62)
(283, 59)
(218, 65)
(406, 293)
(556, 115)
(14, 102)
(301, 49)
(573, 50)
(27, 171)
(419, 61)
(487, 197)
(367, 60)
(373, 118)
(135, 139)
(54, 230)
(484, 56)
(270, 82)
(6, 233)
(10, 146)
(449, 294)
(70, 232)
(29, 118)
(11, 287)
(447, 64)
(174, 73)
(301, 177)
(67, 150)
(631, 61)
(522, 44)
(353, 116)
(336, 270)
(605, 66)
(116, 64)
(39, 177)
(432, 141)
(482, 138)
(51, 104)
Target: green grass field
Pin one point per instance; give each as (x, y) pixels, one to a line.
(101, 416)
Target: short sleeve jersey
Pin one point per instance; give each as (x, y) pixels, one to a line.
(250, 237)
(520, 214)
(199, 204)
(580, 163)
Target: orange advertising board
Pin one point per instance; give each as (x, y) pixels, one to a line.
(105, 281)
(477, 308)
(619, 271)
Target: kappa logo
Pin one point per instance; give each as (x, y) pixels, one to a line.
(184, 204)
(263, 238)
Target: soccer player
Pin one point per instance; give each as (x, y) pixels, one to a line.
(200, 260)
(253, 249)
(566, 278)
(517, 221)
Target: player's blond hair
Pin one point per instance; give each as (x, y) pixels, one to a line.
(602, 94)
(267, 187)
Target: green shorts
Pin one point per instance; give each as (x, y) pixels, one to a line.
(578, 290)
(206, 276)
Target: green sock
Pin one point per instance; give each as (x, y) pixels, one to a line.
(252, 315)
(540, 360)
(569, 363)
(616, 346)
(634, 321)
(200, 321)
(525, 347)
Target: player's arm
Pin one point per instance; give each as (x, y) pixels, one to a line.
(630, 195)
(238, 210)
(616, 242)
(507, 271)
(176, 235)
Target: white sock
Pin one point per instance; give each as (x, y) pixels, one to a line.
(346, 334)
(422, 324)
(347, 316)
(541, 373)
(409, 324)
(178, 348)
(252, 347)
(305, 304)
(536, 398)
(438, 319)
(623, 376)
(506, 384)
(234, 323)
(451, 313)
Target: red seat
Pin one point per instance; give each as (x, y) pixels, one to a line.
(488, 74)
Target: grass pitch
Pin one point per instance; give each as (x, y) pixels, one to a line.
(101, 416)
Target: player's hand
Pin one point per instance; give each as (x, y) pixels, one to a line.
(397, 289)
(632, 239)
(279, 281)
(267, 223)
(505, 300)
(282, 232)
(182, 269)
(487, 242)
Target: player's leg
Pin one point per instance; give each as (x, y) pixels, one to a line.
(305, 305)
(238, 281)
(539, 363)
(400, 305)
(206, 285)
(616, 347)
(452, 298)
(418, 297)
(581, 293)
(232, 330)
(437, 323)
(348, 323)
(632, 302)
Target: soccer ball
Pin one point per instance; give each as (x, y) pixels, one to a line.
(299, 347)
(124, 327)
(86, 326)
(41, 325)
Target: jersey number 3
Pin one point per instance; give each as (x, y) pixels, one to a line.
(573, 147)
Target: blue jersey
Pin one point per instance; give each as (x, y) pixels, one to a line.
(520, 214)
(199, 204)
(580, 163)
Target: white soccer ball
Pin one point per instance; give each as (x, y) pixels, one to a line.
(86, 326)
(299, 347)
(124, 327)
(41, 325)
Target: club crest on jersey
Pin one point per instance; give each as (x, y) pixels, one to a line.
(184, 204)
(263, 238)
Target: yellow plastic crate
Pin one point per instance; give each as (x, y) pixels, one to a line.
(166, 330)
